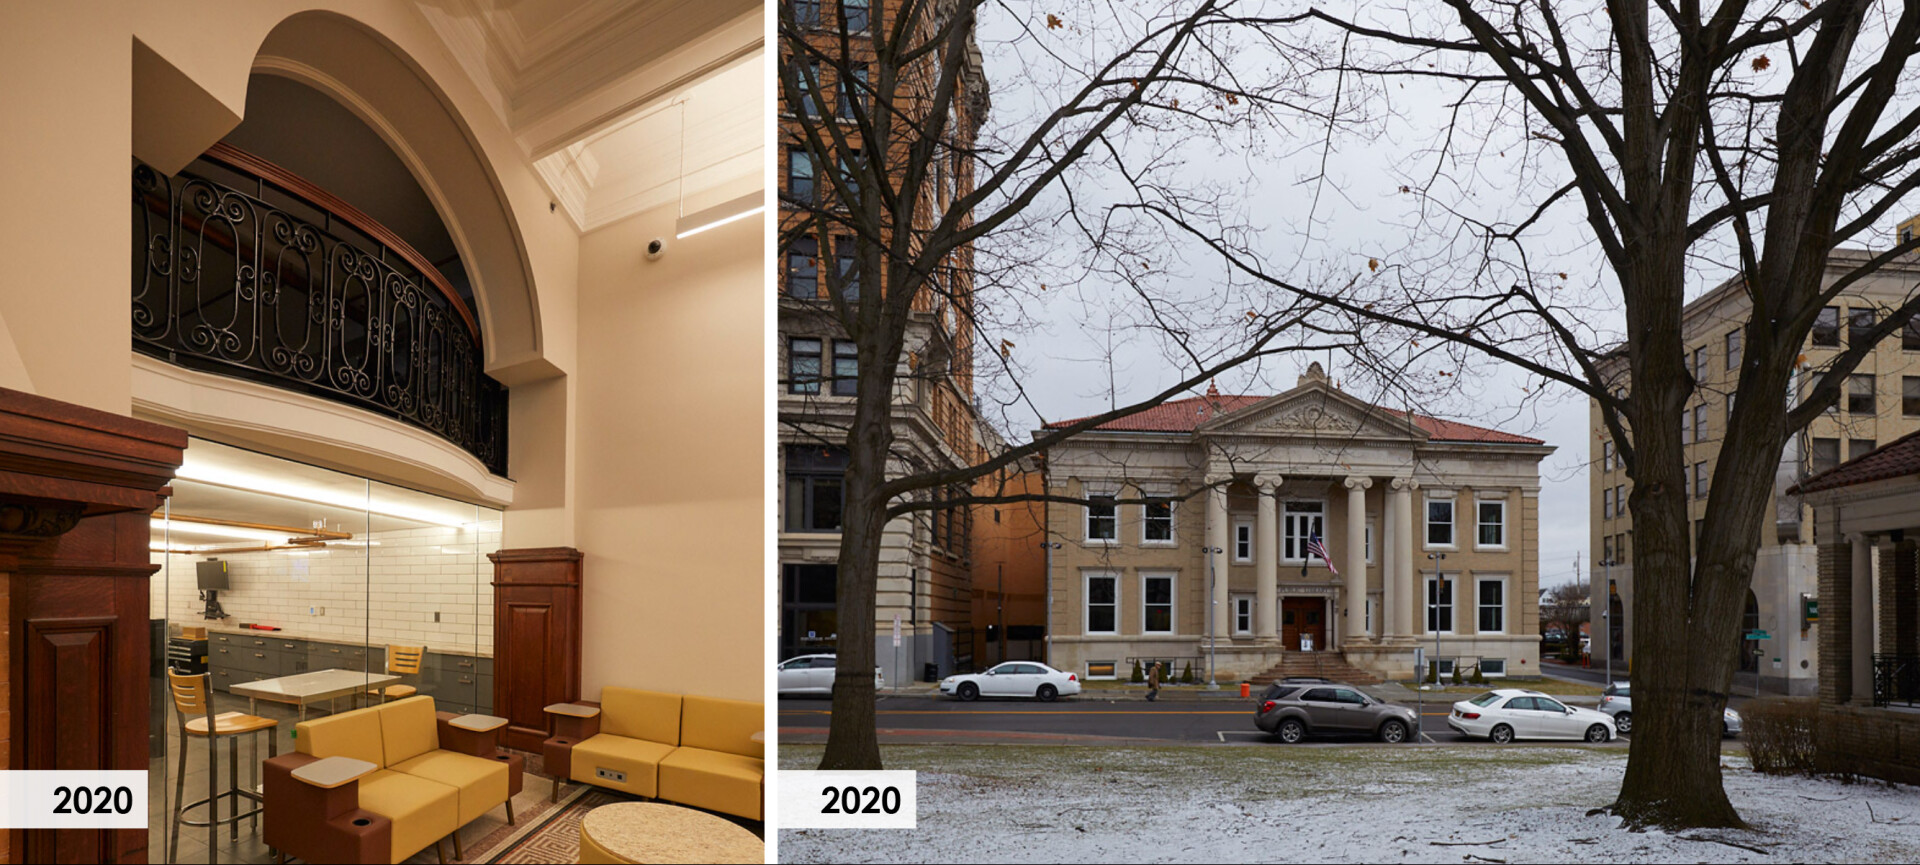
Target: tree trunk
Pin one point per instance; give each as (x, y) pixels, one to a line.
(852, 741)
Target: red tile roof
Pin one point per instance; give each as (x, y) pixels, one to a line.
(1186, 415)
(1898, 458)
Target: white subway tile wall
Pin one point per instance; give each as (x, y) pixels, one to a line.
(414, 573)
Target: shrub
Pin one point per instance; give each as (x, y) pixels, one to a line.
(1186, 675)
(1433, 672)
(1457, 678)
(1138, 676)
(1478, 677)
(1779, 733)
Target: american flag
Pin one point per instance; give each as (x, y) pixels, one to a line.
(1319, 548)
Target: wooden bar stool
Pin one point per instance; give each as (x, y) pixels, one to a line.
(401, 661)
(193, 705)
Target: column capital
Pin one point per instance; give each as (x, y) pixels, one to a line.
(1405, 484)
(1214, 479)
(1865, 538)
(1267, 482)
(1358, 482)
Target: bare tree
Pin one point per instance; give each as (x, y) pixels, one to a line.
(940, 235)
(1568, 606)
(1675, 141)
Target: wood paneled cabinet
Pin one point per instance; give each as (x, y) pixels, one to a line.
(536, 638)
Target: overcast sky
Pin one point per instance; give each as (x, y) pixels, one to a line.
(1359, 212)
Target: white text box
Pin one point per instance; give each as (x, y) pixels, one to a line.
(50, 799)
(847, 800)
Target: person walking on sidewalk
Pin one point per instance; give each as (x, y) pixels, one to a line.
(1153, 681)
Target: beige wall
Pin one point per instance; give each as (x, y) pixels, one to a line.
(671, 454)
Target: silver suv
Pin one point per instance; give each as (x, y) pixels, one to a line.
(1617, 700)
(1291, 710)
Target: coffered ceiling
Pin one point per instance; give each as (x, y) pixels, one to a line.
(600, 94)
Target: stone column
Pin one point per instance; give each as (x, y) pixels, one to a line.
(1404, 551)
(1217, 537)
(1266, 559)
(1860, 618)
(1389, 555)
(1357, 558)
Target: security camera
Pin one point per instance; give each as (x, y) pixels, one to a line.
(655, 247)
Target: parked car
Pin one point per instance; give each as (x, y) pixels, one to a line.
(1013, 679)
(812, 674)
(1511, 713)
(1292, 710)
(1617, 700)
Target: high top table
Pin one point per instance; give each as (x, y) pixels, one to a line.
(304, 689)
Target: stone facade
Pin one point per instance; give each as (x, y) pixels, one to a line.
(1202, 557)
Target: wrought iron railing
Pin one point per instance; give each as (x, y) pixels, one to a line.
(1896, 680)
(285, 284)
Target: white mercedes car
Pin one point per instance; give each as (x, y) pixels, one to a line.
(1511, 713)
(812, 674)
(1013, 679)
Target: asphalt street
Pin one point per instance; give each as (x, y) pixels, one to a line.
(1069, 720)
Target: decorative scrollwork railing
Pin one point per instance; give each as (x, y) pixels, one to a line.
(1896, 680)
(287, 285)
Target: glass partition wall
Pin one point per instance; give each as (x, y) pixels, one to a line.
(301, 592)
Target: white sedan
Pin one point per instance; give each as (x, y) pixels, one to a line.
(1013, 679)
(812, 674)
(1510, 713)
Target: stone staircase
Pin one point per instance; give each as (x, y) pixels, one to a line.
(1328, 665)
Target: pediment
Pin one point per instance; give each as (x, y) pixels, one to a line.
(1315, 410)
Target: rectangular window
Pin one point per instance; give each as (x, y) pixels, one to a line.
(1860, 324)
(1860, 394)
(803, 366)
(855, 13)
(804, 82)
(1822, 455)
(1303, 521)
(1242, 615)
(1606, 456)
(1700, 364)
(1440, 605)
(1910, 395)
(1606, 548)
(1103, 603)
(850, 166)
(1686, 484)
(806, 13)
(1700, 423)
(1826, 327)
(1493, 667)
(803, 268)
(1606, 504)
(813, 485)
(853, 90)
(1857, 448)
(1156, 524)
(1910, 334)
(1100, 670)
(1493, 524)
(1102, 524)
(1439, 522)
(1156, 592)
(1369, 543)
(1734, 338)
(1493, 606)
(800, 186)
(1242, 541)
(1700, 480)
(1686, 427)
(846, 368)
(848, 271)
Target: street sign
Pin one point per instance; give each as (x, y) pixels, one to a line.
(1419, 664)
(896, 630)
(1758, 635)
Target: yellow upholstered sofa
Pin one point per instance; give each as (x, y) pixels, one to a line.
(430, 780)
(697, 751)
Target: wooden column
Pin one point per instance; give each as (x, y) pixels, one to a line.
(77, 487)
(536, 638)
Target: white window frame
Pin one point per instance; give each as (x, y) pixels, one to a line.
(1173, 526)
(1369, 541)
(1286, 534)
(1477, 505)
(1606, 503)
(1244, 524)
(1086, 521)
(1429, 613)
(1086, 601)
(1492, 674)
(1479, 605)
(1112, 665)
(1173, 601)
(1240, 601)
(1453, 522)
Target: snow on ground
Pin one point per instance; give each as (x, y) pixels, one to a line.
(1337, 804)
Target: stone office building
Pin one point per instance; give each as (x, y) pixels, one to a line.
(1431, 525)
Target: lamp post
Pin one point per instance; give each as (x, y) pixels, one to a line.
(1433, 613)
(1049, 547)
(1213, 637)
(1606, 617)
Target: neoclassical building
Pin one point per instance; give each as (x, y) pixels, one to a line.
(1196, 547)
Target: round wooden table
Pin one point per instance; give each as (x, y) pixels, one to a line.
(653, 832)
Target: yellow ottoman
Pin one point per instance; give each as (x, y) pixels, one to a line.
(652, 832)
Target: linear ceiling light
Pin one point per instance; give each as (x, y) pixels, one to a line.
(249, 482)
(720, 214)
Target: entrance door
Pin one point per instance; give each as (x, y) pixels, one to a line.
(1303, 623)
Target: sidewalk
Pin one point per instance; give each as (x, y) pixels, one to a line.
(1388, 692)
